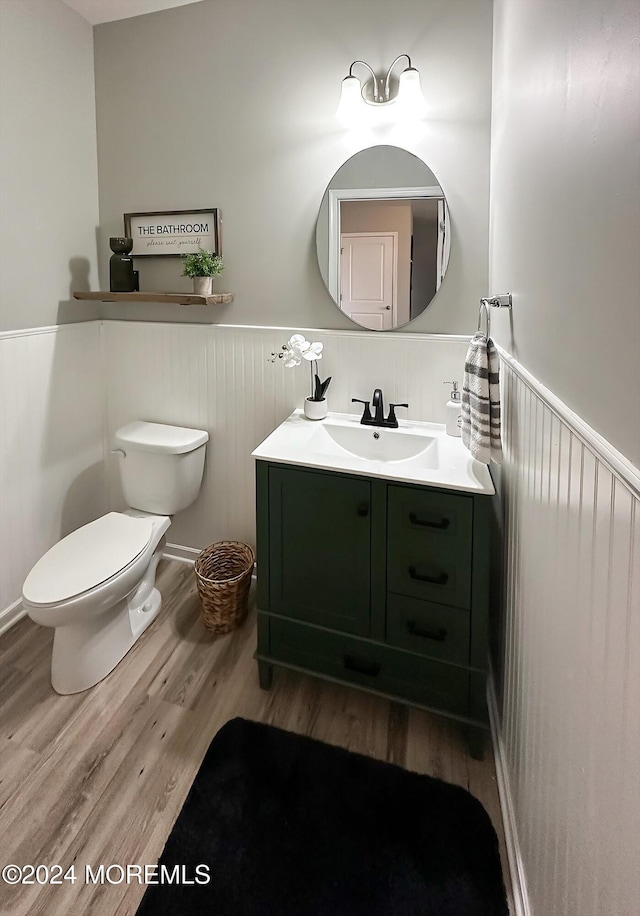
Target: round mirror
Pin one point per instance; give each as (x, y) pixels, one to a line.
(382, 237)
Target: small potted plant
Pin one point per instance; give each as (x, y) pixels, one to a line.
(293, 352)
(202, 266)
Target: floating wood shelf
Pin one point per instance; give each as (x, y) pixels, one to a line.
(179, 298)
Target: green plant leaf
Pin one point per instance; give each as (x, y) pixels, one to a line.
(202, 263)
(320, 388)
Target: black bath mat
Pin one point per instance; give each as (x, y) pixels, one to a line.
(289, 826)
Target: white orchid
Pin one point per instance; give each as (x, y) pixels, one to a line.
(294, 351)
(313, 351)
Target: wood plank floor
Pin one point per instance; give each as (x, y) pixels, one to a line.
(100, 777)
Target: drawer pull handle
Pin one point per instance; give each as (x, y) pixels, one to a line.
(363, 510)
(362, 667)
(441, 579)
(425, 523)
(438, 635)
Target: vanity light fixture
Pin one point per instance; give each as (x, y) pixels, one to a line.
(408, 100)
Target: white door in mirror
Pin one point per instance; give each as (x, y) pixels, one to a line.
(367, 275)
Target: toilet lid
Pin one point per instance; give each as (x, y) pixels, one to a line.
(86, 558)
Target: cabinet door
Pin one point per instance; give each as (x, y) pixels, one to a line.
(320, 548)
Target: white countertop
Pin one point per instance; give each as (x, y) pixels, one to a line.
(442, 462)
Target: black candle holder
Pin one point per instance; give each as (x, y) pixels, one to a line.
(122, 277)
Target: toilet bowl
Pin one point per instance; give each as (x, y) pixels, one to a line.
(97, 585)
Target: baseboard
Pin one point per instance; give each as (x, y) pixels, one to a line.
(187, 555)
(11, 615)
(516, 864)
(177, 552)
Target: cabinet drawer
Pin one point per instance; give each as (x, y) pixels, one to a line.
(370, 665)
(431, 629)
(429, 551)
(436, 518)
(429, 575)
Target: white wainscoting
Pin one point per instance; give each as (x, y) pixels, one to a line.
(569, 685)
(52, 476)
(218, 378)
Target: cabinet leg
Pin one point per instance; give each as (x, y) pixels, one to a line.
(476, 741)
(265, 675)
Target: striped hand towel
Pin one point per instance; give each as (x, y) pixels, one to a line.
(481, 400)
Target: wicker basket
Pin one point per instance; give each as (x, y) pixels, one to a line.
(223, 573)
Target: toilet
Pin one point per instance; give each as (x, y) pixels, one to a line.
(97, 585)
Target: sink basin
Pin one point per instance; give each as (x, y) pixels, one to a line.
(416, 452)
(374, 444)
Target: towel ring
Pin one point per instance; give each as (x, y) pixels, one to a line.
(499, 302)
(496, 302)
(484, 306)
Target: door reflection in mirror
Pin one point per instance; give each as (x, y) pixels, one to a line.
(382, 238)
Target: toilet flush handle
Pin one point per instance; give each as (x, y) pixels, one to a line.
(119, 451)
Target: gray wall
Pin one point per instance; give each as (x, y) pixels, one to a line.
(231, 103)
(48, 168)
(565, 203)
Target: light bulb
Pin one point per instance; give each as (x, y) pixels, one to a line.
(351, 106)
(410, 100)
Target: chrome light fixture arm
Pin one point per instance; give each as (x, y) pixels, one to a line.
(376, 91)
(388, 76)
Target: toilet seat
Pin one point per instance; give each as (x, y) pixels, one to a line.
(87, 557)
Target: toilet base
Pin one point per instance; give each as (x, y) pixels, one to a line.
(85, 653)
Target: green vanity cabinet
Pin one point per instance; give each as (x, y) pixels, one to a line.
(376, 584)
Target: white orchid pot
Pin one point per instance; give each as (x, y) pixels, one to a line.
(315, 410)
(202, 286)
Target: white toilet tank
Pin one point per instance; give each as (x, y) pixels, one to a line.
(161, 466)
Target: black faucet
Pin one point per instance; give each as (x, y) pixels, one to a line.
(378, 406)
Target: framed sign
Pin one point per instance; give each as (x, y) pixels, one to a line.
(173, 232)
